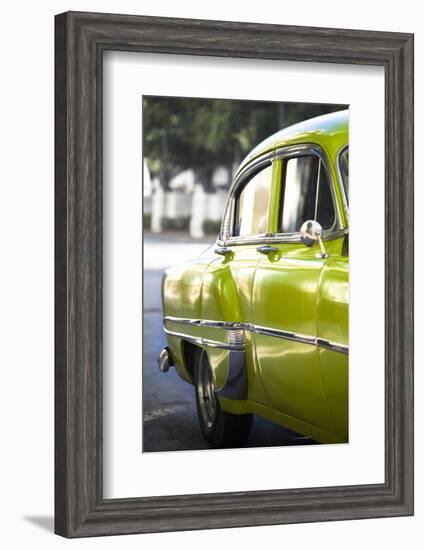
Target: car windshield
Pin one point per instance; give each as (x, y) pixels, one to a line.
(344, 170)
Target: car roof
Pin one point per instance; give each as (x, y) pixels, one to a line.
(330, 131)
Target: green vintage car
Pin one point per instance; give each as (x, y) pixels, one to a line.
(259, 322)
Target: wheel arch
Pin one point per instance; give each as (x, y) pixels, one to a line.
(188, 354)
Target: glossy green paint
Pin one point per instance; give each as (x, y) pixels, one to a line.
(297, 384)
(285, 298)
(226, 296)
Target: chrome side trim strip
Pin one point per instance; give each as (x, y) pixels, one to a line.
(228, 325)
(205, 341)
(333, 346)
(278, 238)
(285, 335)
(182, 320)
(267, 331)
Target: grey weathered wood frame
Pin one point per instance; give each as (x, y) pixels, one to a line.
(80, 40)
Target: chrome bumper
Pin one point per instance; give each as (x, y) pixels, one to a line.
(165, 360)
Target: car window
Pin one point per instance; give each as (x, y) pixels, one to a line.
(306, 194)
(252, 205)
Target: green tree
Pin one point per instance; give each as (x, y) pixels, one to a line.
(181, 133)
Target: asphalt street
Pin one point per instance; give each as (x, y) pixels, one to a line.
(169, 407)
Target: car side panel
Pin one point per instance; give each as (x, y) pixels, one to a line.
(333, 325)
(285, 299)
(226, 296)
(181, 297)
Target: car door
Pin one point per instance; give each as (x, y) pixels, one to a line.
(285, 291)
(227, 286)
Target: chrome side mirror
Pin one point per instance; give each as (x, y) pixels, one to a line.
(310, 233)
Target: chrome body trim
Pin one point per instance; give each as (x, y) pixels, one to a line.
(317, 190)
(315, 149)
(225, 238)
(284, 334)
(205, 341)
(258, 329)
(235, 336)
(279, 238)
(239, 181)
(235, 386)
(222, 250)
(227, 325)
(165, 360)
(182, 320)
(341, 182)
(332, 346)
(203, 322)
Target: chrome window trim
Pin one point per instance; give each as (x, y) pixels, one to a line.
(277, 238)
(229, 212)
(292, 151)
(258, 329)
(318, 189)
(264, 160)
(241, 182)
(339, 175)
(315, 149)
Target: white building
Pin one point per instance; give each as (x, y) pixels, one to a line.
(186, 200)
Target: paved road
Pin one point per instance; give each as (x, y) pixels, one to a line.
(169, 408)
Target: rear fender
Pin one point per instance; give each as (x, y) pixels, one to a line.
(220, 302)
(181, 298)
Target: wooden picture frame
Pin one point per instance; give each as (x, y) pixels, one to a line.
(80, 40)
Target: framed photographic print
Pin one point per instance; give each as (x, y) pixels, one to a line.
(234, 274)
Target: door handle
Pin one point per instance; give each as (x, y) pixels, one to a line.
(222, 250)
(266, 249)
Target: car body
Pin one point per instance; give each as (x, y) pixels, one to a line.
(259, 322)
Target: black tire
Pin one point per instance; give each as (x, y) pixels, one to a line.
(219, 428)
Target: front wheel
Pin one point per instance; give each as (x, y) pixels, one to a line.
(220, 428)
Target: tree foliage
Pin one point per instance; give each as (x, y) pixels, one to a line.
(182, 133)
